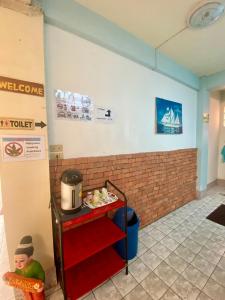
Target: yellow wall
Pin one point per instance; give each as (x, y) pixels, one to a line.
(25, 185)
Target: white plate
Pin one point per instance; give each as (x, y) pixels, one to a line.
(110, 199)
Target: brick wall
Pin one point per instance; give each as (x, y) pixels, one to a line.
(155, 183)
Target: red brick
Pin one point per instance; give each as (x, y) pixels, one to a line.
(155, 183)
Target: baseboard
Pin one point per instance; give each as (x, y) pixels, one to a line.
(220, 182)
(212, 184)
(201, 194)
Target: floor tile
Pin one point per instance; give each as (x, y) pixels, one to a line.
(58, 295)
(192, 245)
(189, 224)
(161, 250)
(219, 276)
(177, 236)
(176, 262)
(107, 291)
(204, 231)
(185, 289)
(50, 291)
(169, 243)
(19, 295)
(151, 259)
(171, 223)
(185, 253)
(159, 221)
(124, 283)
(221, 263)
(147, 240)
(199, 238)
(148, 228)
(90, 296)
(164, 228)
(194, 276)
(130, 261)
(138, 293)
(203, 265)
(141, 248)
(214, 290)
(139, 270)
(220, 230)
(186, 231)
(209, 255)
(166, 273)
(154, 286)
(170, 295)
(156, 234)
(141, 232)
(203, 296)
(218, 239)
(216, 247)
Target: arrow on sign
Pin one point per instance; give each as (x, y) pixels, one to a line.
(41, 124)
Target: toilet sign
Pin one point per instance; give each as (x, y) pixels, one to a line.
(20, 124)
(16, 123)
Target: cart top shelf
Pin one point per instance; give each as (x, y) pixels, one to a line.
(84, 214)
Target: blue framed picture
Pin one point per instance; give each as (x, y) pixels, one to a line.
(168, 117)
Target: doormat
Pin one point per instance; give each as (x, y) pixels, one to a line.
(218, 215)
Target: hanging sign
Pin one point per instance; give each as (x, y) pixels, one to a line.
(18, 123)
(103, 114)
(20, 148)
(21, 87)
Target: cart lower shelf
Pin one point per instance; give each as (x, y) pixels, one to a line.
(95, 236)
(85, 276)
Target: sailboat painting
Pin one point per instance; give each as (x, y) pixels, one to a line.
(168, 117)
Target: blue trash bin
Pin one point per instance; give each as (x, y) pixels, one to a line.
(132, 232)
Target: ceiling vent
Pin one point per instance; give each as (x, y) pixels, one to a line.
(205, 14)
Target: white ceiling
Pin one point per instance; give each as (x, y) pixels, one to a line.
(156, 21)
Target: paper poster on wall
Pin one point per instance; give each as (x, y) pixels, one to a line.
(21, 148)
(168, 117)
(104, 114)
(73, 106)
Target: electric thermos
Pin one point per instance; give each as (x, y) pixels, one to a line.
(71, 191)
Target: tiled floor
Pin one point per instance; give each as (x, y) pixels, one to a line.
(180, 256)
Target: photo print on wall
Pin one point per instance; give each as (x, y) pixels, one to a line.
(168, 117)
(73, 106)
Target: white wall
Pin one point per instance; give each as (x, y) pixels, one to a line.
(77, 65)
(221, 164)
(213, 133)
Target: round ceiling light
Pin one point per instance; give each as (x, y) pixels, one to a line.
(205, 14)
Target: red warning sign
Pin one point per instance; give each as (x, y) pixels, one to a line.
(13, 149)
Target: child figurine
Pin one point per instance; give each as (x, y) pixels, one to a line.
(27, 269)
